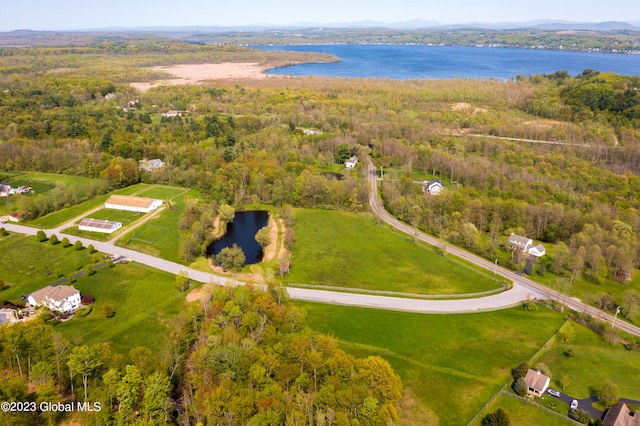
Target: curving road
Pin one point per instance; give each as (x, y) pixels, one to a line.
(520, 283)
(523, 288)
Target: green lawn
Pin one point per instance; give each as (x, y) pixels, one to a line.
(343, 249)
(55, 219)
(28, 265)
(450, 365)
(523, 414)
(594, 361)
(162, 192)
(159, 236)
(145, 302)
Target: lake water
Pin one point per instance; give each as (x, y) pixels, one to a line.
(403, 62)
(242, 231)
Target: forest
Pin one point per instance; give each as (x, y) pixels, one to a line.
(243, 355)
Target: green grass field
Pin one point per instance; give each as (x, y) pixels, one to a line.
(524, 414)
(145, 302)
(55, 219)
(29, 265)
(159, 236)
(343, 249)
(162, 192)
(450, 365)
(594, 361)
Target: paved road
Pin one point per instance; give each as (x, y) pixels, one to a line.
(523, 288)
(520, 283)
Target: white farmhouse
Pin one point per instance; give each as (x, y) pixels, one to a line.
(351, 162)
(63, 298)
(433, 186)
(132, 204)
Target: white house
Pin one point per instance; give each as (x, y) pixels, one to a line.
(99, 225)
(537, 251)
(4, 189)
(536, 382)
(171, 113)
(132, 204)
(519, 242)
(433, 186)
(351, 162)
(63, 298)
(150, 165)
(526, 245)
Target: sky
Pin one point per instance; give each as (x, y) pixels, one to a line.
(89, 14)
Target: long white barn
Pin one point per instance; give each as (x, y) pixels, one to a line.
(132, 204)
(99, 225)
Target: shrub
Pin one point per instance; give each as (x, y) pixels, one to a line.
(580, 416)
(608, 393)
(53, 239)
(78, 245)
(569, 353)
(65, 242)
(542, 270)
(520, 370)
(498, 418)
(91, 249)
(529, 305)
(108, 311)
(520, 386)
(41, 236)
(3, 232)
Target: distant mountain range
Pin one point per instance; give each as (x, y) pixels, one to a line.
(550, 25)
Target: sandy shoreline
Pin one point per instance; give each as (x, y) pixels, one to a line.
(198, 73)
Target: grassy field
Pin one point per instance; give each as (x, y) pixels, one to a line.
(348, 250)
(450, 365)
(523, 414)
(61, 216)
(29, 265)
(145, 302)
(159, 236)
(594, 361)
(162, 192)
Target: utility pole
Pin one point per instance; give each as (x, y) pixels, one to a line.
(613, 324)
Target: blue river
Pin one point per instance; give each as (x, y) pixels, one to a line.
(404, 62)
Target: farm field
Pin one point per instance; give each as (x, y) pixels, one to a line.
(159, 236)
(58, 218)
(450, 365)
(125, 217)
(145, 302)
(341, 249)
(33, 265)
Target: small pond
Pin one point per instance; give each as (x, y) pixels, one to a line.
(242, 231)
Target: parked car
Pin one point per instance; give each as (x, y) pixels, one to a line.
(554, 393)
(574, 404)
